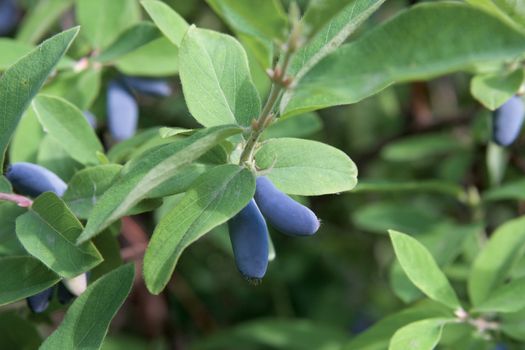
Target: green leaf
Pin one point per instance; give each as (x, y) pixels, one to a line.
(180, 182)
(68, 126)
(9, 244)
(422, 269)
(430, 186)
(131, 39)
(214, 68)
(79, 88)
(274, 333)
(510, 10)
(378, 336)
(87, 186)
(349, 15)
(496, 259)
(39, 20)
(21, 82)
(514, 190)
(381, 216)
(507, 298)
(305, 167)
(13, 50)
(264, 19)
(420, 335)
(88, 318)
(494, 89)
(299, 126)
(156, 59)
(53, 156)
(421, 147)
(497, 159)
(123, 151)
(214, 198)
(513, 324)
(17, 332)
(146, 172)
(22, 277)
(103, 21)
(379, 61)
(170, 23)
(26, 139)
(48, 232)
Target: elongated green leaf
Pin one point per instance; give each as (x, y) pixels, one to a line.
(13, 50)
(495, 260)
(156, 59)
(87, 320)
(20, 83)
(214, 69)
(148, 171)
(26, 139)
(420, 335)
(180, 182)
(131, 39)
(48, 232)
(215, 197)
(434, 186)
(421, 147)
(422, 270)
(22, 277)
(170, 23)
(349, 15)
(9, 244)
(377, 59)
(53, 156)
(67, 125)
(513, 324)
(507, 298)
(103, 21)
(41, 18)
(265, 19)
(378, 336)
(509, 10)
(299, 126)
(306, 167)
(87, 186)
(494, 89)
(274, 333)
(514, 190)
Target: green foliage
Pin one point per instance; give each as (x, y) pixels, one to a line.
(238, 84)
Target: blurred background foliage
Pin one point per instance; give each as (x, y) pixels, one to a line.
(428, 137)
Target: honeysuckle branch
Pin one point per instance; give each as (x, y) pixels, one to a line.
(280, 82)
(21, 201)
(481, 324)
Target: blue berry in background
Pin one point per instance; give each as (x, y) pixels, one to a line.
(32, 180)
(146, 86)
(122, 111)
(64, 295)
(282, 212)
(507, 121)
(501, 347)
(39, 302)
(8, 16)
(91, 119)
(249, 238)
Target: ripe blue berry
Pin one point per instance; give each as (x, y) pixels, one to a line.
(39, 302)
(153, 87)
(282, 212)
(8, 16)
(32, 180)
(507, 121)
(122, 111)
(249, 238)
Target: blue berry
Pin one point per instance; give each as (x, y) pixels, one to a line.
(507, 121)
(153, 87)
(8, 16)
(39, 302)
(282, 212)
(32, 180)
(122, 111)
(249, 238)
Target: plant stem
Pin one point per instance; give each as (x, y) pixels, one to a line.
(280, 83)
(15, 198)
